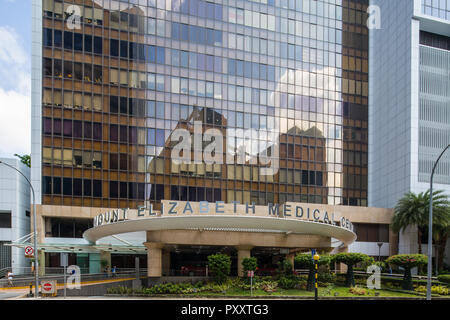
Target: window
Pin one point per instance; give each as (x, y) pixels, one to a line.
(114, 48)
(98, 45)
(372, 232)
(5, 219)
(68, 227)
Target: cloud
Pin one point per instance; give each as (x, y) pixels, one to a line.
(15, 94)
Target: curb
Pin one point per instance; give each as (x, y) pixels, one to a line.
(174, 296)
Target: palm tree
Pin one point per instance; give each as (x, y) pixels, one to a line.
(413, 210)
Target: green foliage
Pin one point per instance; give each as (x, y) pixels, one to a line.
(326, 277)
(358, 291)
(349, 258)
(103, 263)
(368, 261)
(413, 210)
(288, 282)
(249, 264)
(441, 290)
(444, 278)
(305, 261)
(285, 268)
(220, 266)
(25, 159)
(170, 288)
(119, 290)
(407, 260)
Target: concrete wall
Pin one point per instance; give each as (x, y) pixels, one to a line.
(15, 197)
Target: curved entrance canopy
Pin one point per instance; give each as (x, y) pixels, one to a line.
(222, 222)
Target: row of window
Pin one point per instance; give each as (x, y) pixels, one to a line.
(136, 51)
(251, 70)
(56, 9)
(72, 41)
(72, 187)
(70, 99)
(72, 70)
(72, 158)
(68, 228)
(185, 193)
(196, 34)
(72, 128)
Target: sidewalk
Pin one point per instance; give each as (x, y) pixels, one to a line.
(26, 289)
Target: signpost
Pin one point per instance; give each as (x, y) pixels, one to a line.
(64, 262)
(251, 274)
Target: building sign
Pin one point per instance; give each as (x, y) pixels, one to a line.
(307, 212)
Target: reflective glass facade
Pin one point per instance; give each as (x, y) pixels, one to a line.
(120, 76)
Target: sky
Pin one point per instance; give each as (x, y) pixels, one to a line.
(15, 77)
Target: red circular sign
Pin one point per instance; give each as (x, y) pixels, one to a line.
(47, 286)
(29, 251)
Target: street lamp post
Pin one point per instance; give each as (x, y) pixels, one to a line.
(430, 228)
(36, 264)
(380, 244)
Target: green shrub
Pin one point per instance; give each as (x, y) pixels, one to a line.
(326, 277)
(249, 264)
(407, 261)
(288, 282)
(358, 291)
(220, 266)
(350, 259)
(119, 290)
(270, 286)
(444, 278)
(434, 289)
(170, 288)
(285, 268)
(305, 261)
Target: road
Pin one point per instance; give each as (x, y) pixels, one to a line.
(5, 295)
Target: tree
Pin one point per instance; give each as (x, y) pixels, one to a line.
(413, 210)
(407, 261)
(249, 264)
(350, 259)
(25, 159)
(220, 266)
(285, 268)
(305, 261)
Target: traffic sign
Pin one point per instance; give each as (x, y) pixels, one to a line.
(48, 286)
(250, 274)
(29, 252)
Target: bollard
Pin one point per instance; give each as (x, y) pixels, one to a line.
(31, 290)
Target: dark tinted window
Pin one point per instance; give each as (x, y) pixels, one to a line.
(5, 219)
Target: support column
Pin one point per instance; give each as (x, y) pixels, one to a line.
(105, 256)
(342, 267)
(154, 258)
(166, 262)
(243, 252)
(291, 257)
(41, 260)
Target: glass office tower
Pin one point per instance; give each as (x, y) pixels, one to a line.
(119, 76)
